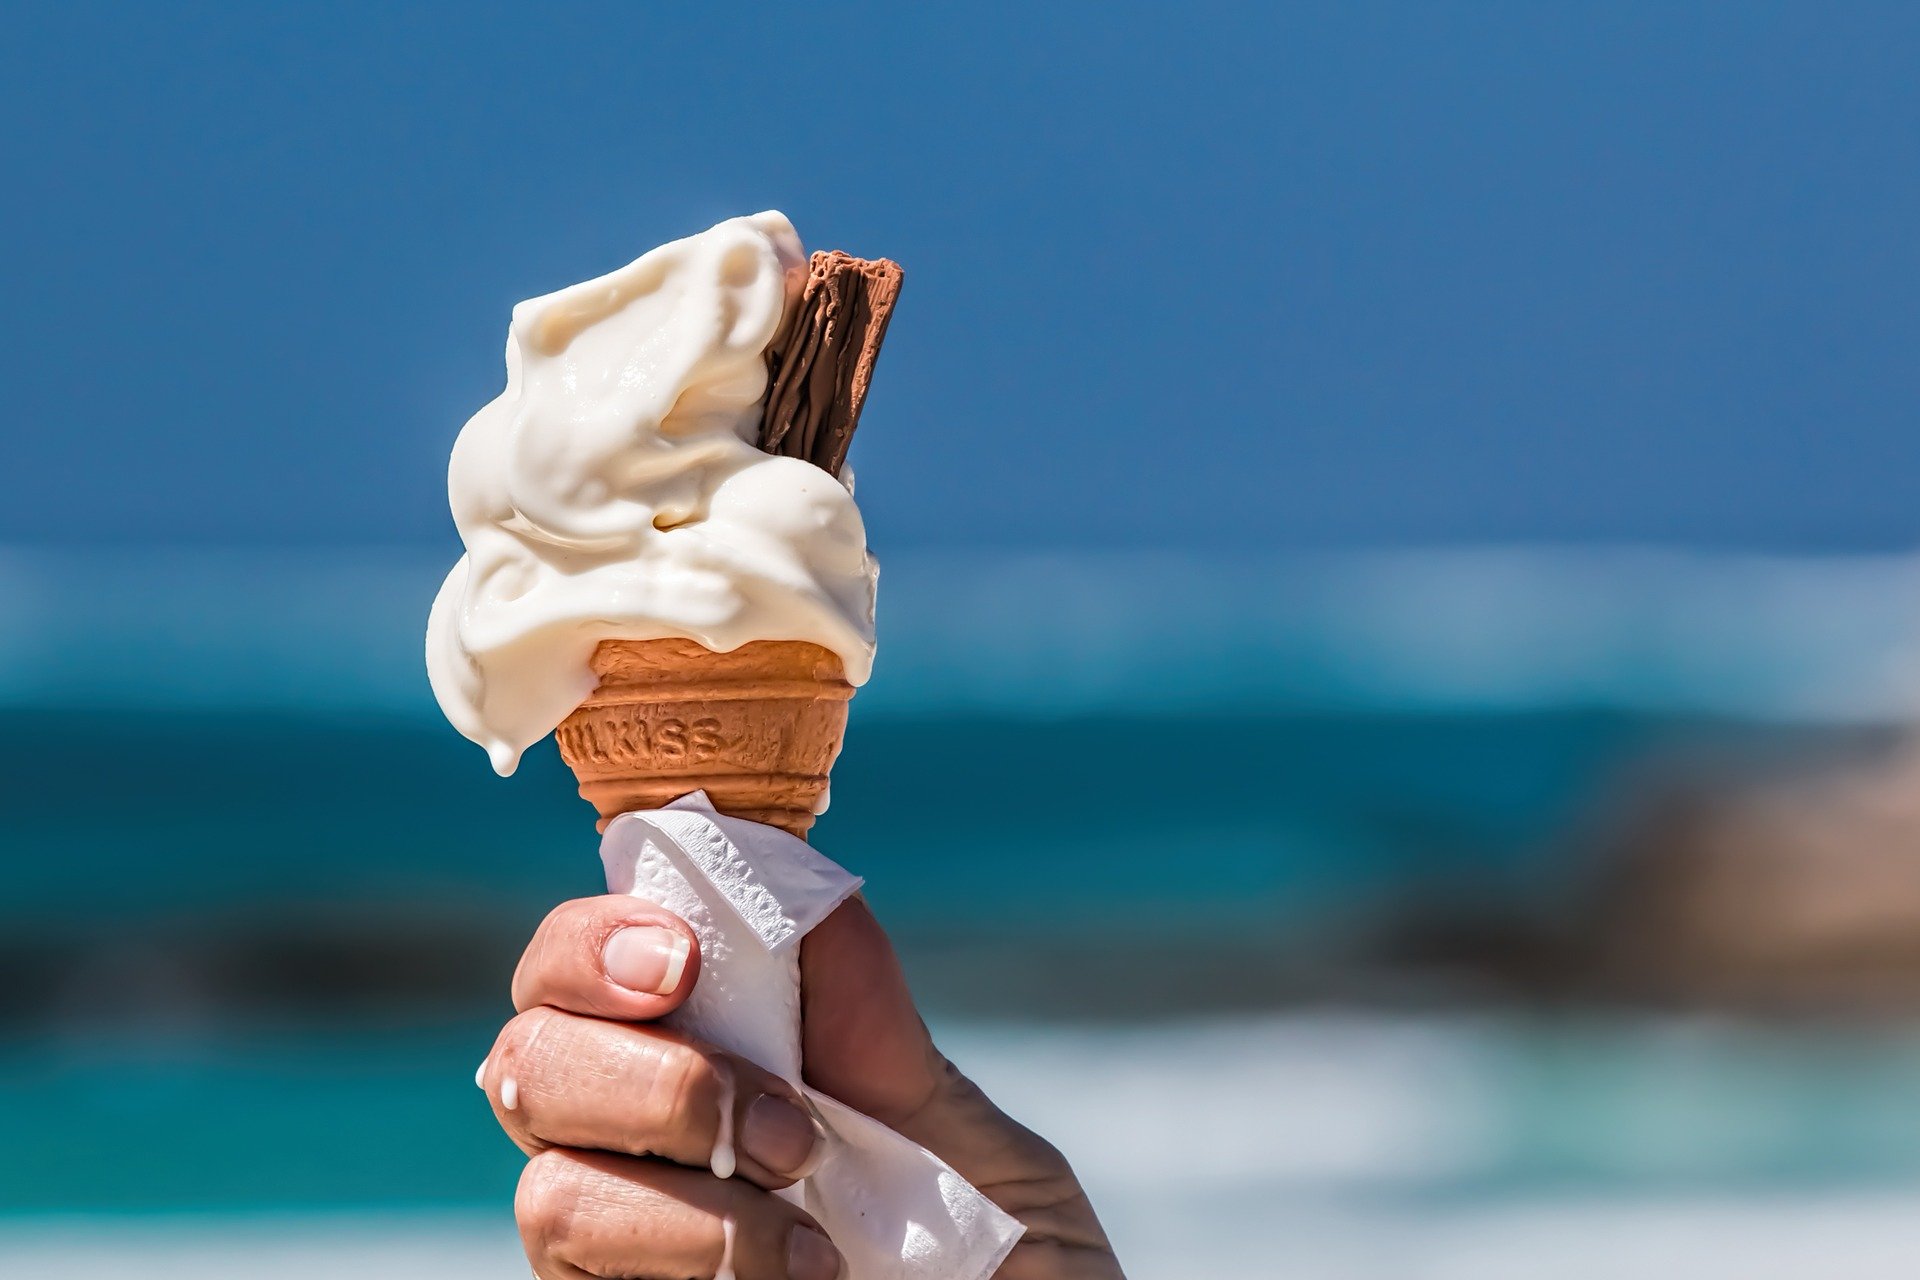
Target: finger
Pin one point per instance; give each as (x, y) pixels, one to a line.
(593, 1214)
(612, 957)
(560, 1080)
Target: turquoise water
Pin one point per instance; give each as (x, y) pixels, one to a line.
(301, 926)
(256, 898)
(964, 820)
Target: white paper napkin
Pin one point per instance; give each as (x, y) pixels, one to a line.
(751, 892)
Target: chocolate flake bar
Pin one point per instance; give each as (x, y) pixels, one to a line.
(820, 366)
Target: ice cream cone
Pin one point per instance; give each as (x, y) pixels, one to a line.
(757, 728)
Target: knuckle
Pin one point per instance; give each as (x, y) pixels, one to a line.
(547, 1202)
(681, 1086)
(548, 947)
(517, 1038)
(520, 1074)
(567, 915)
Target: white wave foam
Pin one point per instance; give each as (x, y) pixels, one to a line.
(1317, 1146)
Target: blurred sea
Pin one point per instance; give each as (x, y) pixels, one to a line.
(1245, 881)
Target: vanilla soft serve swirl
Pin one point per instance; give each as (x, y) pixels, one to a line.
(612, 491)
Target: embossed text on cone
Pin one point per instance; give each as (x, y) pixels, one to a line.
(757, 729)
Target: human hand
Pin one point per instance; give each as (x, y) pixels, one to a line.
(621, 1118)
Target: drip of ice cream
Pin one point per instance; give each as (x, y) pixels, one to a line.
(614, 491)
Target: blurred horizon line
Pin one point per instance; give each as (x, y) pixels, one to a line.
(1812, 637)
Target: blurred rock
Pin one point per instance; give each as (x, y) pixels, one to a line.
(1793, 889)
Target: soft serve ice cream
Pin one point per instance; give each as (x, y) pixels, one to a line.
(614, 491)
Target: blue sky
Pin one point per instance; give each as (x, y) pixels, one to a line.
(1192, 275)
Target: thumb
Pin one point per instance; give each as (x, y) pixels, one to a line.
(862, 1038)
(864, 1044)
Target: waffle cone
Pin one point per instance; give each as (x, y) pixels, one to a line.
(757, 729)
